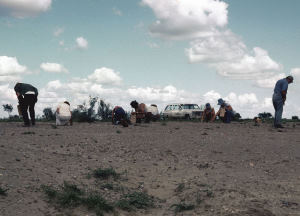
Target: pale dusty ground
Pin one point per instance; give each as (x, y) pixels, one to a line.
(249, 170)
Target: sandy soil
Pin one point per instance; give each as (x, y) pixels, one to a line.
(237, 169)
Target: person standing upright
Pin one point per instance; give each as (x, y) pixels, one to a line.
(279, 98)
(27, 96)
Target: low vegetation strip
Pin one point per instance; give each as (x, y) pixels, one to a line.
(69, 196)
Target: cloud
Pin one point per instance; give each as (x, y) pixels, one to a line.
(117, 12)
(57, 32)
(229, 56)
(295, 72)
(186, 19)
(10, 69)
(82, 43)
(61, 43)
(269, 82)
(204, 23)
(105, 76)
(53, 68)
(24, 8)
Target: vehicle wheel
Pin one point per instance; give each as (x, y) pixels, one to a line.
(187, 117)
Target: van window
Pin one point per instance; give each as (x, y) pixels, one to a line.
(176, 107)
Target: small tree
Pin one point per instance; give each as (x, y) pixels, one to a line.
(104, 110)
(295, 118)
(265, 115)
(84, 113)
(237, 116)
(8, 108)
(49, 114)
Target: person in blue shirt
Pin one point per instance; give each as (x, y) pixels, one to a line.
(279, 98)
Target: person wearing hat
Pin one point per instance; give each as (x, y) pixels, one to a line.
(225, 112)
(208, 113)
(279, 98)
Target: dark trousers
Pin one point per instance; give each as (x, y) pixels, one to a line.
(28, 102)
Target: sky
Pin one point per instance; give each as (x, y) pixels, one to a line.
(152, 51)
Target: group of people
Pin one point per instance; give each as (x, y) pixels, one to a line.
(225, 112)
(28, 96)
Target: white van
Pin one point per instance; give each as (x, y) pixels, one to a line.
(187, 111)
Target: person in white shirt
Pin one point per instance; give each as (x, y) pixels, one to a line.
(63, 114)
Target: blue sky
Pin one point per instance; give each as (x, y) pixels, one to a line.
(150, 50)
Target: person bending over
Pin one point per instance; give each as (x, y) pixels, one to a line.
(27, 96)
(63, 114)
(208, 113)
(119, 116)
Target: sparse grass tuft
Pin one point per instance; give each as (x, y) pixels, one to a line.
(182, 207)
(105, 173)
(97, 203)
(134, 200)
(180, 188)
(54, 126)
(70, 196)
(3, 192)
(164, 124)
(118, 131)
(28, 133)
(108, 186)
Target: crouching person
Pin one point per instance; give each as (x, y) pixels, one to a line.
(119, 116)
(209, 114)
(63, 114)
(225, 112)
(152, 113)
(140, 111)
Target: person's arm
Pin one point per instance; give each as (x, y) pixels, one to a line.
(213, 115)
(202, 117)
(283, 95)
(214, 118)
(112, 115)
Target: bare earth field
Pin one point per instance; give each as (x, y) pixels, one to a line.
(231, 170)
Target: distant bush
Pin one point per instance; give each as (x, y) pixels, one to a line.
(48, 114)
(104, 111)
(295, 118)
(84, 112)
(8, 108)
(265, 115)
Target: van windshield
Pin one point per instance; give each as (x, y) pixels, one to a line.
(190, 106)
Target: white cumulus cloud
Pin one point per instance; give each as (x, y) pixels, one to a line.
(205, 24)
(10, 69)
(186, 19)
(24, 8)
(105, 76)
(270, 81)
(53, 68)
(82, 43)
(295, 72)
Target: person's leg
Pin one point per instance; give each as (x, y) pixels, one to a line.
(275, 114)
(32, 101)
(24, 108)
(278, 106)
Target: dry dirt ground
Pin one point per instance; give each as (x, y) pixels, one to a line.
(236, 169)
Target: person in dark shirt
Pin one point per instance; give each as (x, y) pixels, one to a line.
(119, 116)
(27, 96)
(279, 98)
